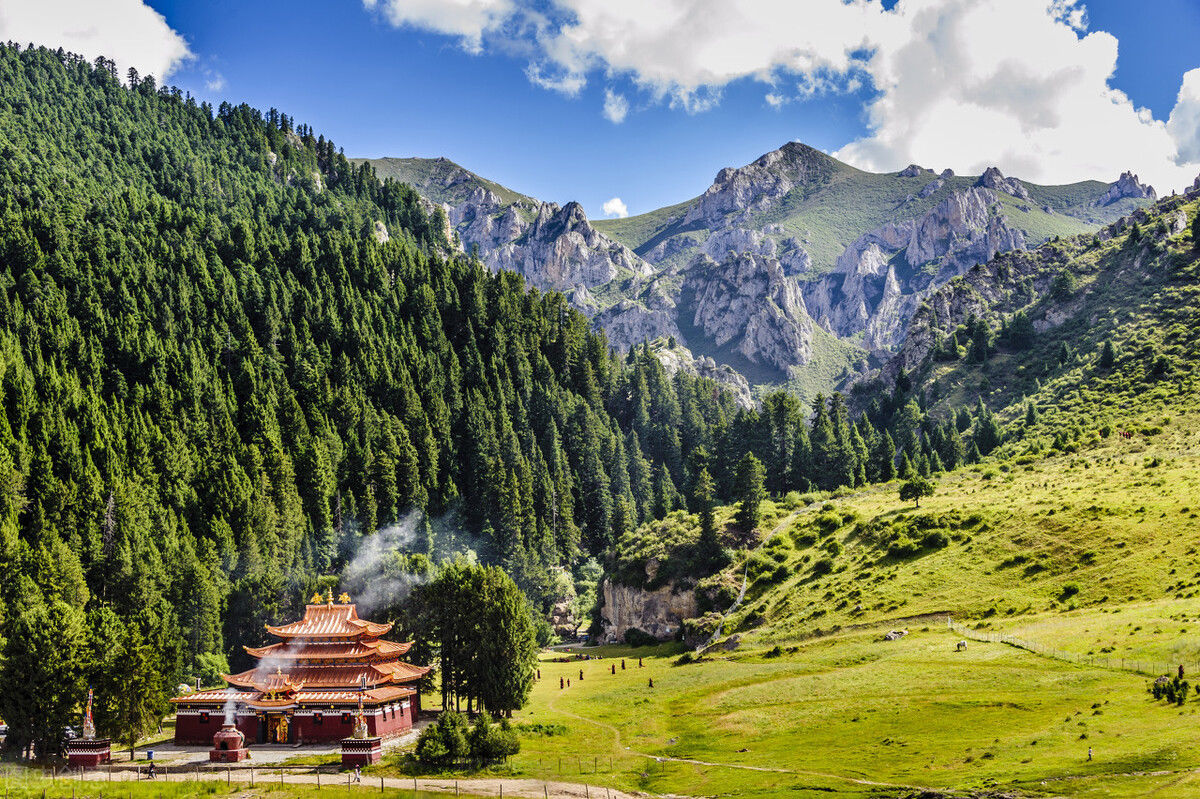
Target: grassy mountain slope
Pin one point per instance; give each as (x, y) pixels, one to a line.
(1138, 291)
(1075, 539)
(440, 180)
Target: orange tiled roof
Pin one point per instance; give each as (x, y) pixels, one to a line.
(221, 695)
(335, 650)
(255, 699)
(348, 676)
(330, 621)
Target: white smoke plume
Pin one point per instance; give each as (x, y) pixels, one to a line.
(374, 577)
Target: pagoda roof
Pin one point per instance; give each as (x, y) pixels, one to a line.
(330, 621)
(257, 701)
(353, 675)
(331, 650)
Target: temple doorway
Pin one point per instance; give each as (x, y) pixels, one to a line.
(277, 728)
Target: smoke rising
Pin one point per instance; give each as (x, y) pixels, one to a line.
(377, 577)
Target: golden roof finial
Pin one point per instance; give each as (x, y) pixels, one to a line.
(316, 598)
(344, 598)
(329, 596)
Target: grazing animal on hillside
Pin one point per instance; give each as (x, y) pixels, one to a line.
(961, 646)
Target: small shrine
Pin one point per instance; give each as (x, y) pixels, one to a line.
(308, 685)
(361, 748)
(88, 751)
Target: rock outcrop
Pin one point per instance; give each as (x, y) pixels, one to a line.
(744, 190)
(880, 278)
(748, 303)
(1127, 185)
(659, 613)
(993, 179)
(680, 357)
(628, 323)
(553, 247)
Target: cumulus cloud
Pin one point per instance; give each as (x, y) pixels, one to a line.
(129, 32)
(1021, 84)
(1016, 83)
(214, 81)
(1184, 124)
(615, 207)
(615, 107)
(466, 20)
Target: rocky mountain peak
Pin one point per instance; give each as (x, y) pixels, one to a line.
(992, 178)
(913, 171)
(1127, 185)
(755, 186)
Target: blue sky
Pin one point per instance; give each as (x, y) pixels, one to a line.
(451, 77)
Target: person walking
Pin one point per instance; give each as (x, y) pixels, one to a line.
(1089, 754)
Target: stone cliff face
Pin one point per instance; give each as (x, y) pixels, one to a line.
(553, 247)
(740, 191)
(1127, 185)
(740, 259)
(679, 357)
(659, 613)
(747, 302)
(881, 277)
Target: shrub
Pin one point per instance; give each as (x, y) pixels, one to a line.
(822, 567)
(492, 743)
(444, 743)
(635, 638)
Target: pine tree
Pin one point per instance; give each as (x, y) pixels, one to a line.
(884, 459)
(710, 555)
(749, 492)
(1108, 354)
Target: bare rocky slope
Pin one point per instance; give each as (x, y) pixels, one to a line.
(792, 268)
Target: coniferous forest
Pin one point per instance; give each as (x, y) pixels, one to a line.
(227, 354)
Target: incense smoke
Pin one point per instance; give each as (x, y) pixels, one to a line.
(376, 576)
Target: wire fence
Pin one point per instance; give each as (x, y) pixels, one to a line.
(1149, 668)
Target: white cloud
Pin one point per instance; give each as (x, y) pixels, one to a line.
(615, 207)
(465, 19)
(214, 81)
(1021, 84)
(1184, 124)
(127, 31)
(615, 107)
(1015, 83)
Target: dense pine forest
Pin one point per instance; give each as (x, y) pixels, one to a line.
(227, 354)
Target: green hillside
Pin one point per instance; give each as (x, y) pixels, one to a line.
(440, 180)
(1065, 557)
(216, 380)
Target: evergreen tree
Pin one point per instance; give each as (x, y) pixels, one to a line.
(748, 489)
(1108, 353)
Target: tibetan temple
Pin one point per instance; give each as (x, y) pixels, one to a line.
(307, 687)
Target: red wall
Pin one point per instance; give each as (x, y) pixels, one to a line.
(335, 724)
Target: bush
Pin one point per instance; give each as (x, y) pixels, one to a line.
(635, 638)
(492, 743)
(822, 567)
(444, 743)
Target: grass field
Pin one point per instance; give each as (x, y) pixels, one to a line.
(855, 715)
